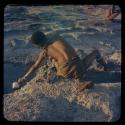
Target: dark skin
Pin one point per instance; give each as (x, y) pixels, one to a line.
(59, 51)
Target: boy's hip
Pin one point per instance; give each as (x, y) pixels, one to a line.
(74, 69)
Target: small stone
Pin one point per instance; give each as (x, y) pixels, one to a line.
(15, 85)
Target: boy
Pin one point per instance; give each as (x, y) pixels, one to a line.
(67, 63)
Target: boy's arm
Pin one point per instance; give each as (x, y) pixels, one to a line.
(33, 67)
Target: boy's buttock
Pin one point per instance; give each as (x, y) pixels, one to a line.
(72, 69)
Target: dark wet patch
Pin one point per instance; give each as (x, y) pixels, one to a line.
(103, 77)
(11, 73)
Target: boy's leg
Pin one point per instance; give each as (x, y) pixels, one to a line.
(88, 60)
(84, 85)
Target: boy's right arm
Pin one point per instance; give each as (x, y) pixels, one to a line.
(33, 67)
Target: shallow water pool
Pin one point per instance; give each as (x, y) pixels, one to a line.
(11, 73)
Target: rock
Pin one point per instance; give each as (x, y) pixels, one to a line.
(15, 43)
(21, 44)
(116, 56)
(80, 53)
(15, 85)
(105, 44)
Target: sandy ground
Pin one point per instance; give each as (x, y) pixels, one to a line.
(41, 100)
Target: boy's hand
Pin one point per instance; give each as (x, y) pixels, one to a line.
(21, 79)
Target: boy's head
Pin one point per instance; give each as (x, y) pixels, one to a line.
(39, 38)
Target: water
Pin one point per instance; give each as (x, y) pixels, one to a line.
(11, 73)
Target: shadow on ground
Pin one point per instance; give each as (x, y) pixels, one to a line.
(104, 77)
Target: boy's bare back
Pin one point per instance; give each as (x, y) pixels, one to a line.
(61, 52)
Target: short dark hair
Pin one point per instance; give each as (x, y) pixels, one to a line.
(39, 38)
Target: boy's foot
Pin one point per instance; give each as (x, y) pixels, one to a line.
(85, 85)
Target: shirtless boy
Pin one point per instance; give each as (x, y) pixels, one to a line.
(67, 62)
